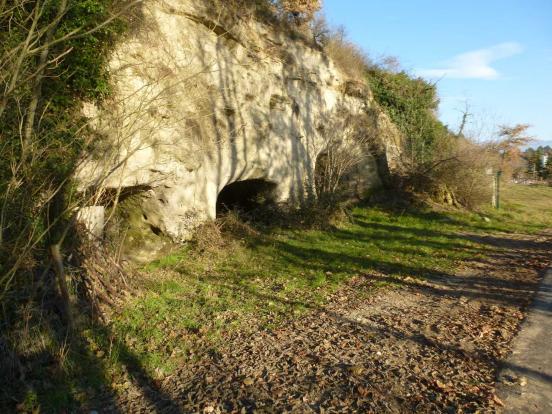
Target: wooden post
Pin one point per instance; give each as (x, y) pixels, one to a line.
(498, 175)
(496, 189)
(490, 172)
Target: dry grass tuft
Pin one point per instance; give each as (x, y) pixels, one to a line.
(234, 225)
(208, 238)
(215, 236)
(347, 56)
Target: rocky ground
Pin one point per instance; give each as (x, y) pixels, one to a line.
(415, 346)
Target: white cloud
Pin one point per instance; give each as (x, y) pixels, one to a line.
(475, 64)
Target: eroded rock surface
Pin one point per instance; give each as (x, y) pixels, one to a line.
(201, 101)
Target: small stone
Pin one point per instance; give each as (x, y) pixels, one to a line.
(356, 370)
(441, 385)
(523, 381)
(248, 382)
(503, 332)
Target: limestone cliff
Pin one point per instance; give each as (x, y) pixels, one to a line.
(200, 102)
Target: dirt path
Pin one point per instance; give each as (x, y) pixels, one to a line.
(432, 346)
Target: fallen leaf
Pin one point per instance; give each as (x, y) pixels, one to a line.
(497, 401)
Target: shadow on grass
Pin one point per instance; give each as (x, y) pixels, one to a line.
(395, 238)
(405, 240)
(151, 391)
(68, 375)
(44, 366)
(230, 394)
(501, 221)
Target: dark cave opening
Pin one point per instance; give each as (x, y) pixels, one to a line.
(245, 196)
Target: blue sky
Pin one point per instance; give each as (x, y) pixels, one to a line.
(496, 55)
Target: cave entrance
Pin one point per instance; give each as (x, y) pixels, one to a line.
(245, 196)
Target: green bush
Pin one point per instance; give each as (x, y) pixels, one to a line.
(411, 103)
(54, 56)
(37, 160)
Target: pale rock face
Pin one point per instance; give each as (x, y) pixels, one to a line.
(199, 105)
(93, 218)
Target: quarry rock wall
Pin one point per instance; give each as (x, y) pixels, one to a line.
(200, 102)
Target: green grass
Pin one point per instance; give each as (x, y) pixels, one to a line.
(523, 209)
(265, 278)
(189, 302)
(526, 209)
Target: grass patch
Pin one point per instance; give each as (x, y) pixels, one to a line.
(261, 278)
(523, 209)
(189, 302)
(264, 278)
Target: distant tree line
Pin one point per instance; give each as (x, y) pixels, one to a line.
(538, 163)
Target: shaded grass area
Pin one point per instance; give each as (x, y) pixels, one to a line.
(191, 300)
(263, 279)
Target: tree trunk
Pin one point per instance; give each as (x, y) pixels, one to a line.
(55, 251)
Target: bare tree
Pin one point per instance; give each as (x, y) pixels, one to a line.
(466, 114)
(33, 207)
(349, 140)
(320, 30)
(508, 145)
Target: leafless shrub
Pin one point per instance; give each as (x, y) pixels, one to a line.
(97, 271)
(216, 237)
(229, 10)
(457, 176)
(347, 56)
(208, 238)
(389, 63)
(465, 175)
(349, 140)
(293, 12)
(37, 204)
(299, 10)
(233, 224)
(320, 30)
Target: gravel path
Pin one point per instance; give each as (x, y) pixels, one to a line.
(432, 346)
